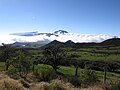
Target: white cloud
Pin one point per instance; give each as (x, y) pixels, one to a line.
(7, 38)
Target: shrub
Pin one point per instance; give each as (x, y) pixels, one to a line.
(115, 86)
(75, 81)
(46, 75)
(21, 63)
(89, 76)
(12, 72)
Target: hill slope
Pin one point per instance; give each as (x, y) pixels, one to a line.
(69, 43)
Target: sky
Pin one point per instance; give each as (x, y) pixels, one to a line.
(76, 16)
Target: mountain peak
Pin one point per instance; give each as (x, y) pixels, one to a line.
(60, 32)
(70, 42)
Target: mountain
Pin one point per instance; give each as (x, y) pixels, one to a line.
(69, 43)
(59, 35)
(60, 32)
(112, 42)
(30, 44)
(53, 43)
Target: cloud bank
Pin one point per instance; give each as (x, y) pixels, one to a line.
(63, 37)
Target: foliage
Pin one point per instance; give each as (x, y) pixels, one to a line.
(21, 63)
(6, 54)
(47, 74)
(75, 81)
(115, 86)
(12, 72)
(54, 56)
(89, 76)
(76, 62)
(58, 58)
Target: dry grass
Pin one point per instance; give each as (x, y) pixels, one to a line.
(10, 84)
(3, 75)
(60, 84)
(7, 83)
(53, 85)
(40, 86)
(94, 88)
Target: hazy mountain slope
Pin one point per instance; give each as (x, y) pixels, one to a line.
(69, 43)
(113, 41)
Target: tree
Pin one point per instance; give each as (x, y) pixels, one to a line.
(35, 61)
(90, 76)
(75, 62)
(54, 56)
(6, 54)
(21, 63)
(105, 67)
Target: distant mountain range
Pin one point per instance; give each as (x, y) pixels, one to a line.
(107, 43)
(38, 38)
(31, 44)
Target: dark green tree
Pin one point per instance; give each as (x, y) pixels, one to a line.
(105, 67)
(35, 61)
(90, 76)
(54, 56)
(75, 62)
(21, 63)
(7, 51)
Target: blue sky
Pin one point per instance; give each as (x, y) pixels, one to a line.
(76, 16)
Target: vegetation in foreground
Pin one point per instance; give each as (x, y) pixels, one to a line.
(46, 69)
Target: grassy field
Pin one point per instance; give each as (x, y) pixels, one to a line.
(112, 54)
(70, 71)
(92, 54)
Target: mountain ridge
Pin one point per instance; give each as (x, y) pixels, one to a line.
(69, 43)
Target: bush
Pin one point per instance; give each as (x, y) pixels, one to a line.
(115, 86)
(75, 81)
(21, 63)
(46, 75)
(89, 76)
(12, 72)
